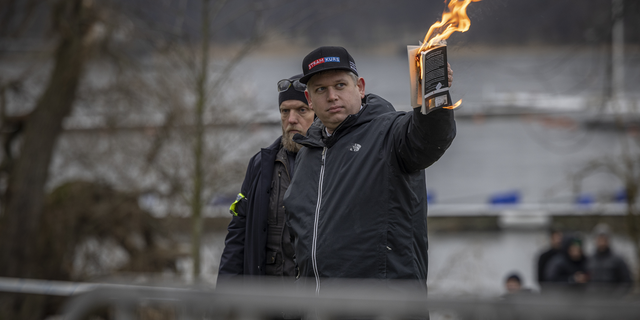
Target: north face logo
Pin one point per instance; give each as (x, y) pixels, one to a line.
(355, 147)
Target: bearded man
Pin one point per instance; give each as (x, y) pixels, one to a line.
(258, 242)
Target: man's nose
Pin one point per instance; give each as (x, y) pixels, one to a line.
(293, 117)
(331, 94)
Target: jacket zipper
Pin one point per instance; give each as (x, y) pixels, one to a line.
(315, 223)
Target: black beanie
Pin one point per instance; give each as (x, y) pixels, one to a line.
(292, 93)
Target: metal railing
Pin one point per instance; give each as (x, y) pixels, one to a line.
(340, 300)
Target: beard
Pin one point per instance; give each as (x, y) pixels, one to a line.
(287, 142)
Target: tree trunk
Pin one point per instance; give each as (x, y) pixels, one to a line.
(25, 192)
(198, 154)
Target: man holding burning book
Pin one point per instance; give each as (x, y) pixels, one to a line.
(357, 204)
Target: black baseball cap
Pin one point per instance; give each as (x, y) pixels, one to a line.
(327, 58)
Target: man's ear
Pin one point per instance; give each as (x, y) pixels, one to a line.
(360, 85)
(306, 94)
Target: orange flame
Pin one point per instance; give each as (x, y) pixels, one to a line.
(455, 19)
(455, 105)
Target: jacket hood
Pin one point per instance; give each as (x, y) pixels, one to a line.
(372, 107)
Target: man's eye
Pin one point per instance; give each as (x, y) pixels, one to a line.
(340, 85)
(284, 111)
(303, 110)
(320, 89)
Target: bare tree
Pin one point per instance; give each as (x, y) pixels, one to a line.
(206, 83)
(625, 165)
(72, 23)
(187, 160)
(95, 71)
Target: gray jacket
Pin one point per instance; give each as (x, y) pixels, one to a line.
(607, 267)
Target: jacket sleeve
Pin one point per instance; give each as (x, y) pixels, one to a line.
(232, 260)
(622, 271)
(557, 270)
(553, 273)
(420, 140)
(541, 265)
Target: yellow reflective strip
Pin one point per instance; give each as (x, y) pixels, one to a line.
(232, 208)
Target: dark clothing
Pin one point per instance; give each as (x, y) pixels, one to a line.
(608, 267)
(280, 251)
(357, 205)
(608, 273)
(245, 251)
(562, 269)
(564, 275)
(543, 261)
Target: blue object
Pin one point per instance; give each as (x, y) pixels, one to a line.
(509, 197)
(585, 199)
(620, 196)
(431, 197)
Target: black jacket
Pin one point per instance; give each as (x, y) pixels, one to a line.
(561, 268)
(607, 267)
(543, 261)
(357, 204)
(609, 274)
(245, 244)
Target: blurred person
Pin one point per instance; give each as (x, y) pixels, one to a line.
(569, 266)
(514, 293)
(608, 272)
(555, 239)
(258, 241)
(357, 204)
(513, 285)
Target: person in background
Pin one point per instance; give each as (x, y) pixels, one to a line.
(513, 285)
(555, 239)
(608, 272)
(258, 242)
(568, 269)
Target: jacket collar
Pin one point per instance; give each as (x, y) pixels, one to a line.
(275, 145)
(373, 106)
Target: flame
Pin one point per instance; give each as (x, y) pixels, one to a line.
(455, 105)
(455, 19)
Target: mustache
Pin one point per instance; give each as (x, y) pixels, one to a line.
(289, 129)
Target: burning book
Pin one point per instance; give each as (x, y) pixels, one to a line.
(428, 68)
(429, 78)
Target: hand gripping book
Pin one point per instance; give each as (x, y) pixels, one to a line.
(429, 77)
